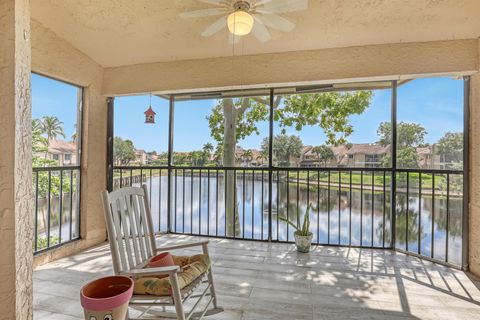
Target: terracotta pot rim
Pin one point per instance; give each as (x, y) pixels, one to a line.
(107, 303)
(163, 259)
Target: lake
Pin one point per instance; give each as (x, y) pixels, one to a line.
(339, 214)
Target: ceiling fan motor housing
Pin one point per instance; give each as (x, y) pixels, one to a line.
(241, 5)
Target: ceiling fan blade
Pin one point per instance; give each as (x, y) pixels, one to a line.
(215, 27)
(203, 13)
(280, 6)
(261, 2)
(276, 22)
(260, 31)
(215, 2)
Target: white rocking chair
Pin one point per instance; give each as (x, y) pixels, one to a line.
(132, 243)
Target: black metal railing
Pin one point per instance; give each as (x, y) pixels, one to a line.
(430, 214)
(157, 180)
(57, 206)
(348, 206)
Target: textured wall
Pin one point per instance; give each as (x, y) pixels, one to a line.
(109, 30)
(319, 66)
(56, 58)
(474, 244)
(16, 201)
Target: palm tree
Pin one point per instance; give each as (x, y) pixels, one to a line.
(52, 127)
(247, 156)
(260, 159)
(208, 148)
(207, 151)
(37, 126)
(39, 143)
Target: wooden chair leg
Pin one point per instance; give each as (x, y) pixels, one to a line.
(210, 278)
(212, 288)
(177, 298)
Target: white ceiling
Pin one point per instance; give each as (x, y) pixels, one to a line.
(123, 32)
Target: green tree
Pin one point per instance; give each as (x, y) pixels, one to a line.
(52, 127)
(285, 147)
(234, 119)
(406, 158)
(197, 158)
(324, 153)
(39, 143)
(37, 126)
(207, 151)
(123, 151)
(40, 146)
(247, 156)
(410, 136)
(180, 158)
(260, 158)
(218, 155)
(450, 147)
(455, 181)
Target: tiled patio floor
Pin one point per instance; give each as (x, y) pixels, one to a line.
(257, 281)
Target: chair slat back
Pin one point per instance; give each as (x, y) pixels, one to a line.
(130, 227)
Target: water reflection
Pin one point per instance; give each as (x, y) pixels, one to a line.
(340, 214)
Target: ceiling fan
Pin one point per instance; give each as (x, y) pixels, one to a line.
(242, 17)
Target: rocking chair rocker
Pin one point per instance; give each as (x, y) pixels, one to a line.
(132, 243)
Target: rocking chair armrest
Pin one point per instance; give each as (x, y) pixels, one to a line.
(151, 271)
(182, 245)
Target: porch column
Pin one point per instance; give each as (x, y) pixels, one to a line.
(16, 219)
(474, 153)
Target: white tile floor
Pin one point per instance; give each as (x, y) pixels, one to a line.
(259, 280)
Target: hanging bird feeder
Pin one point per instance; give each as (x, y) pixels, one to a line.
(150, 114)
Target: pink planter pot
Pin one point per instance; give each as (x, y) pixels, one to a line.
(164, 259)
(106, 298)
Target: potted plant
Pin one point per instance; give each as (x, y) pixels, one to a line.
(107, 298)
(303, 236)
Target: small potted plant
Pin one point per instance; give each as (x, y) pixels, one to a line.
(303, 236)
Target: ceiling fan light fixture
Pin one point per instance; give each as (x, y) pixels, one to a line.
(240, 23)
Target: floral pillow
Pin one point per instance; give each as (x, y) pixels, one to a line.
(191, 267)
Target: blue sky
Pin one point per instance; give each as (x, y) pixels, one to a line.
(54, 98)
(435, 103)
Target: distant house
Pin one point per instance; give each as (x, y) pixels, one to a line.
(340, 153)
(426, 157)
(152, 157)
(309, 159)
(366, 155)
(429, 158)
(255, 159)
(141, 156)
(63, 152)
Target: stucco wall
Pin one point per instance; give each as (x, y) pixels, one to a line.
(56, 58)
(474, 243)
(16, 201)
(318, 66)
